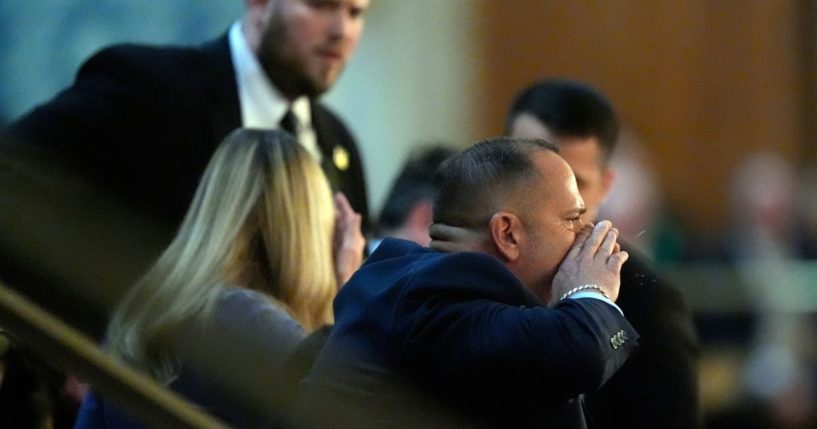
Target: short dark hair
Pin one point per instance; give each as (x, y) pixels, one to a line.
(467, 183)
(569, 108)
(415, 183)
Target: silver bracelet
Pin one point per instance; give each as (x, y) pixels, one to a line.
(584, 287)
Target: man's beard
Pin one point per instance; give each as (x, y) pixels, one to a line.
(287, 74)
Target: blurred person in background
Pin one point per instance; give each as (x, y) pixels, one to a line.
(177, 103)
(253, 269)
(407, 212)
(636, 206)
(763, 200)
(807, 209)
(762, 243)
(658, 386)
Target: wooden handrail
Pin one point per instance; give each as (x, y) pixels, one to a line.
(67, 348)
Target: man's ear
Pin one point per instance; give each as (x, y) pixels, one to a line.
(506, 229)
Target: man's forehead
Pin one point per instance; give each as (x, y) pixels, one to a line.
(549, 162)
(557, 177)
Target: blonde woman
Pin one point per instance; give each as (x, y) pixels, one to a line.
(253, 269)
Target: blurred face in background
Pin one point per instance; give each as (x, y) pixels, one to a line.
(583, 154)
(305, 44)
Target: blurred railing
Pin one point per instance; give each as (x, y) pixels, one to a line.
(709, 287)
(757, 323)
(72, 351)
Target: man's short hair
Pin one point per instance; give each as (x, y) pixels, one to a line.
(569, 109)
(414, 184)
(470, 184)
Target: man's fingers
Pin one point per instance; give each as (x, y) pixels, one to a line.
(592, 244)
(581, 237)
(616, 260)
(609, 244)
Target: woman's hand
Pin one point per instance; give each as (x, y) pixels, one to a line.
(348, 240)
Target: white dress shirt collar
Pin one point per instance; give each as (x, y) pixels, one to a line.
(262, 105)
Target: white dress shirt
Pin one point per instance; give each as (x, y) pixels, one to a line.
(262, 105)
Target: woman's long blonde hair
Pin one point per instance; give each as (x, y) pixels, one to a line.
(262, 218)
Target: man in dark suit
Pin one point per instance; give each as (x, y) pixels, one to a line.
(658, 386)
(140, 123)
(145, 120)
(462, 335)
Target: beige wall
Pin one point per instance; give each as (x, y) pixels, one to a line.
(411, 82)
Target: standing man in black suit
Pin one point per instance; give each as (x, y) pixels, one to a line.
(502, 327)
(146, 119)
(657, 387)
(141, 122)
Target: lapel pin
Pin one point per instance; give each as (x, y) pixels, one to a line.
(340, 157)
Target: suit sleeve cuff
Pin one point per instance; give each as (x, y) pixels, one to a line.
(587, 294)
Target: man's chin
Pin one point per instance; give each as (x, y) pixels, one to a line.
(314, 88)
(323, 81)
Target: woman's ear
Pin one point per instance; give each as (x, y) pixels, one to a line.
(506, 229)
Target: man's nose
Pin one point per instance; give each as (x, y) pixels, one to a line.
(340, 25)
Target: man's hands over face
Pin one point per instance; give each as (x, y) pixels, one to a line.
(595, 258)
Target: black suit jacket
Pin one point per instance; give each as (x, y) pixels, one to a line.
(428, 339)
(657, 387)
(136, 129)
(145, 120)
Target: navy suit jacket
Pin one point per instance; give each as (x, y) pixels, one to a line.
(423, 339)
(138, 126)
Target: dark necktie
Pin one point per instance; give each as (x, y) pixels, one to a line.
(289, 123)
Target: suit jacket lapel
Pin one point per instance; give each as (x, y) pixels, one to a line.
(326, 142)
(224, 107)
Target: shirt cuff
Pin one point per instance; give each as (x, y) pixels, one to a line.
(594, 295)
